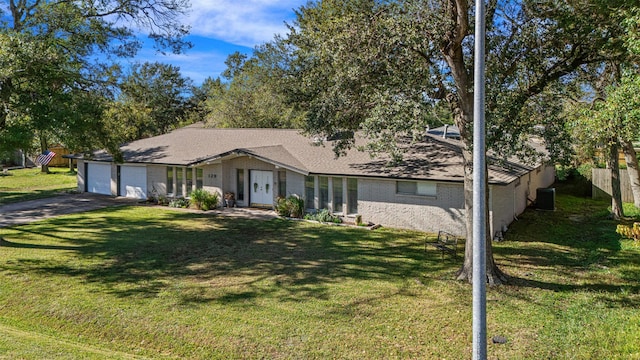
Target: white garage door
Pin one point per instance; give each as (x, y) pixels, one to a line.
(99, 178)
(133, 182)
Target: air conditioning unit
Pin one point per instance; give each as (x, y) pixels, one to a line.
(546, 199)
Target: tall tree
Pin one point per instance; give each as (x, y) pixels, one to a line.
(612, 122)
(249, 96)
(62, 52)
(158, 90)
(624, 106)
(377, 67)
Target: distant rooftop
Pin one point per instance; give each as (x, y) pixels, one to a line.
(446, 131)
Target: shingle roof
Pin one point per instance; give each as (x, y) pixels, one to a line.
(450, 131)
(434, 158)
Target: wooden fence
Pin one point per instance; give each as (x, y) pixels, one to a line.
(601, 184)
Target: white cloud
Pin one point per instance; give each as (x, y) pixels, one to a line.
(197, 65)
(247, 23)
(221, 27)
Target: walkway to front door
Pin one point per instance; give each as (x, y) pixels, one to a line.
(261, 188)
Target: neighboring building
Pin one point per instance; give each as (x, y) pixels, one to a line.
(424, 192)
(446, 131)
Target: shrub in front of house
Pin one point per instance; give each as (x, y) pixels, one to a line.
(179, 203)
(204, 200)
(158, 200)
(292, 206)
(324, 215)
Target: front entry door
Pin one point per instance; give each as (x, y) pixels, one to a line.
(261, 188)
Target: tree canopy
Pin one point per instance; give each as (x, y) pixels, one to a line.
(153, 100)
(379, 67)
(249, 95)
(59, 57)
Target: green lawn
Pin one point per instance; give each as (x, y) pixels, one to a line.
(143, 282)
(29, 184)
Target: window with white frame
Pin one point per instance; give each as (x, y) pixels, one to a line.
(309, 191)
(240, 184)
(170, 180)
(179, 181)
(337, 194)
(189, 181)
(323, 192)
(199, 178)
(352, 196)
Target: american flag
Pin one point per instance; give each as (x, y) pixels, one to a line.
(45, 157)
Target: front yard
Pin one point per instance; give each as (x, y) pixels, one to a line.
(28, 184)
(142, 282)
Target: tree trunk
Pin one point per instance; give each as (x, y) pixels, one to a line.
(616, 195)
(43, 148)
(463, 119)
(495, 276)
(632, 170)
(461, 104)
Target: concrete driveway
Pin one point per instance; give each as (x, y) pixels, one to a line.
(34, 210)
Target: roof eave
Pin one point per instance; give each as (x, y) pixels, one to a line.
(242, 152)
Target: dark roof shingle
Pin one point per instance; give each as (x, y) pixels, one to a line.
(434, 158)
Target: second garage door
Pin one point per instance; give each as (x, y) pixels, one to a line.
(133, 182)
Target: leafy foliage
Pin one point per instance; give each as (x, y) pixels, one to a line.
(382, 67)
(153, 100)
(379, 68)
(291, 206)
(179, 203)
(324, 215)
(58, 67)
(203, 200)
(250, 98)
(629, 232)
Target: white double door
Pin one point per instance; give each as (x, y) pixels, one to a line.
(261, 188)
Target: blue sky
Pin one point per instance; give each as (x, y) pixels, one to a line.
(221, 27)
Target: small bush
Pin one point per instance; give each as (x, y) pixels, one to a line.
(282, 207)
(564, 172)
(179, 203)
(585, 170)
(629, 232)
(158, 200)
(163, 200)
(324, 215)
(292, 206)
(204, 200)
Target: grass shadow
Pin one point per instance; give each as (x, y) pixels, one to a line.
(570, 248)
(129, 254)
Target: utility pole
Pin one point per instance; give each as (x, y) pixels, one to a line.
(479, 191)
